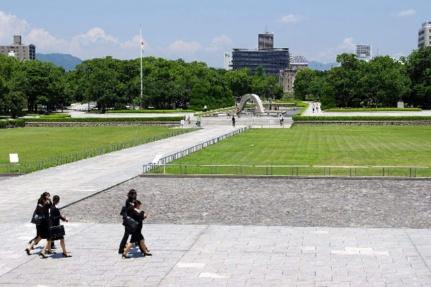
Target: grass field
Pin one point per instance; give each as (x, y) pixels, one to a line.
(319, 145)
(39, 148)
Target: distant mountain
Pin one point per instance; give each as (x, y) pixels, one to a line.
(68, 62)
(321, 66)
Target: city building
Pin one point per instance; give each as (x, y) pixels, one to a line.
(266, 41)
(271, 59)
(227, 61)
(18, 50)
(288, 76)
(424, 36)
(363, 52)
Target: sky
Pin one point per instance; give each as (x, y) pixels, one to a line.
(204, 29)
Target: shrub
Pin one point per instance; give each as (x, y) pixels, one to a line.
(161, 119)
(360, 118)
(373, 110)
(4, 124)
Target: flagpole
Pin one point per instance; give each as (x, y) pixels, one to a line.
(142, 80)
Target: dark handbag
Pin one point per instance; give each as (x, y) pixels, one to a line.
(37, 219)
(56, 232)
(131, 224)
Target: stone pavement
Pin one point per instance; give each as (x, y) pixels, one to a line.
(267, 201)
(212, 255)
(320, 113)
(77, 180)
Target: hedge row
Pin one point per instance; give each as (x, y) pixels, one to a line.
(148, 111)
(83, 120)
(350, 110)
(361, 118)
(11, 123)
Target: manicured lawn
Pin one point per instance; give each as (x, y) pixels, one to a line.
(320, 145)
(43, 147)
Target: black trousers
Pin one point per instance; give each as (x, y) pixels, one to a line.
(123, 241)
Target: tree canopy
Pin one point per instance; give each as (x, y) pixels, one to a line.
(381, 82)
(114, 83)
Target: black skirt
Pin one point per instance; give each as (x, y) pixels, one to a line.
(136, 237)
(43, 231)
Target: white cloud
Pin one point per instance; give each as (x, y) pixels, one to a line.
(406, 13)
(346, 46)
(95, 35)
(291, 18)
(184, 47)
(10, 25)
(45, 41)
(219, 43)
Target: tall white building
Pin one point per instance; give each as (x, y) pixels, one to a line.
(228, 61)
(363, 52)
(424, 36)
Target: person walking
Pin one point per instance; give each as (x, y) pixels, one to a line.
(128, 206)
(41, 219)
(56, 216)
(137, 238)
(233, 121)
(35, 239)
(281, 120)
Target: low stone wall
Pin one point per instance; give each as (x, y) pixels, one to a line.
(366, 123)
(100, 124)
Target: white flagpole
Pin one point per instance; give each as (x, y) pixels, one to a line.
(142, 80)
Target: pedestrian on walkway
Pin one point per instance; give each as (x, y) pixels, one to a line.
(137, 238)
(128, 206)
(281, 120)
(56, 216)
(42, 221)
(35, 239)
(233, 120)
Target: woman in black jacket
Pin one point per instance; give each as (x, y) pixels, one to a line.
(56, 216)
(41, 219)
(36, 239)
(131, 197)
(137, 237)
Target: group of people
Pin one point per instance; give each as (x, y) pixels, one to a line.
(133, 217)
(47, 219)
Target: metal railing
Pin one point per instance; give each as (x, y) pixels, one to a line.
(174, 156)
(290, 170)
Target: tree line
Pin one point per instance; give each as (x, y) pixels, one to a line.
(380, 82)
(115, 84)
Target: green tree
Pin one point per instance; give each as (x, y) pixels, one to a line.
(418, 66)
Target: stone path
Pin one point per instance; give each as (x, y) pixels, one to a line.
(83, 178)
(320, 113)
(211, 255)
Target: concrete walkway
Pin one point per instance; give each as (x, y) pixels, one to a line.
(211, 255)
(83, 178)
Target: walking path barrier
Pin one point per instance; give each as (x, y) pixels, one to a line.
(163, 168)
(163, 160)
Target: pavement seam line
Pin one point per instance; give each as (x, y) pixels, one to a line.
(202, 232)
(417, 250)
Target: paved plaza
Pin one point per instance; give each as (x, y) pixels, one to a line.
(215, 255)
(219, 231)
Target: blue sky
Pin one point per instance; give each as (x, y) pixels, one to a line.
(205, 29)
